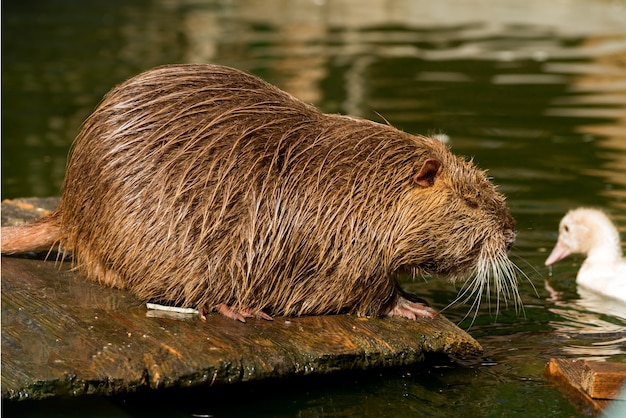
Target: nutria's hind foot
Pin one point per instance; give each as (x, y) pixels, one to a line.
(411, 309)
(240, 314)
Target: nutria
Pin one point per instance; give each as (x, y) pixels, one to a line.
(203, 186)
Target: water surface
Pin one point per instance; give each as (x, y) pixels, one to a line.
(535, 92)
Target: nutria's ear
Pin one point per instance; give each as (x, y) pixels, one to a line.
(430, 171)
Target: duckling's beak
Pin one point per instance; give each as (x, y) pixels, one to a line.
(559, 252)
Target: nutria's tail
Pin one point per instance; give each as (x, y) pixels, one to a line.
(40, 235)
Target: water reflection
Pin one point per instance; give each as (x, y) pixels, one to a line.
(595, 325)
(424, 67)
(597, 93)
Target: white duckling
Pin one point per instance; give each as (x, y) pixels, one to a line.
(591, 232)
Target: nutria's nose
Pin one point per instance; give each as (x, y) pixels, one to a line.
(509, 238)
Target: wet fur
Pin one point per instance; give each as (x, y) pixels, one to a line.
(200, 185)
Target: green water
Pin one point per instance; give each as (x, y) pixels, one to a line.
(534, 91)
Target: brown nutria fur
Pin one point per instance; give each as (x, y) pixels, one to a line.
(203, 186)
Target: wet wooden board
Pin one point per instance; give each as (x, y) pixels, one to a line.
(604, 380)
(591, 385)
(18, 211)
(63, 335)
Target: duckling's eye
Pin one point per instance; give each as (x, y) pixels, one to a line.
(566, 228)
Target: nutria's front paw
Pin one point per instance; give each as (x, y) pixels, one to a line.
(240, 314)
(410, 309)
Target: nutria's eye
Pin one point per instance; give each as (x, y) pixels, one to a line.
(471, 201)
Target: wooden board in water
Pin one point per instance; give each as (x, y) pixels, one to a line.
(62, 335)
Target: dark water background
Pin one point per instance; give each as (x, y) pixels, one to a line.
(534, 91)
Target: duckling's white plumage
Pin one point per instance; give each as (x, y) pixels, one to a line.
(591, 232)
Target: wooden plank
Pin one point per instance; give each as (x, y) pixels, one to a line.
(603, 380)
(62, 335)
(568, 376)
(18, 211)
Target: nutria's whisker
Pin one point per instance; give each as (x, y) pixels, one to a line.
(524, 275)
(497, 277)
